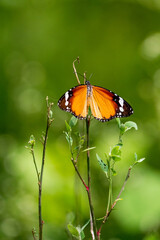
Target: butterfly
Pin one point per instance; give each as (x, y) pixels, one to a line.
(103, 103)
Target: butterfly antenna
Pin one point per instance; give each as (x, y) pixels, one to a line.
(75, 71)
(90, 76)
(84, 75)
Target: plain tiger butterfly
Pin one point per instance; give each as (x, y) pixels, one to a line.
(104, 104)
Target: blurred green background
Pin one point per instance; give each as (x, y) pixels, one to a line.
(118, 42)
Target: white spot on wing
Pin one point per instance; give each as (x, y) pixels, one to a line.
(121, 109)
(121, 101)
(66, 98)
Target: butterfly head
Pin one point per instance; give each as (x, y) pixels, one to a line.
(87, 82)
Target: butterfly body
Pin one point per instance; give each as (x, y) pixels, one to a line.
(104, 104)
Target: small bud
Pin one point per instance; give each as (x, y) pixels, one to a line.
(31, 141)
(50, 114)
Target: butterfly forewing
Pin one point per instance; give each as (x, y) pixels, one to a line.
(75, 101)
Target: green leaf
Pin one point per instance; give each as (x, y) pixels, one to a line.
(88, 149)
(68, 128)
(74, 231)
(99, 219)
(69, 138)
(129, 125)
(116, 158)
(116, 150)
(137, 161)
(85, 225)
(135, 156)
(81, 140)
(113, 172)
(140, 160)
(115, 153)
(73, 121)
(82, 234)
(102, 164)
(120, 144)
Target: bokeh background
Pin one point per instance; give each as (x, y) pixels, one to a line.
(118, 43)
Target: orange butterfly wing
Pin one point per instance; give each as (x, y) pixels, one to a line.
(106, 105)
(75, 101)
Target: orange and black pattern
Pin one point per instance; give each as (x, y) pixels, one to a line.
(104, 104)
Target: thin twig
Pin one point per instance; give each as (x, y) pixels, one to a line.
(115, 202)
(35, 164)
(33, 234)
(49, 121)
(75, 71)
(78, 173)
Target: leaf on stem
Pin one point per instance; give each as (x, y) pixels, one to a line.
(102, 164)
(68, 138)
(129, 125)
(85, 225)
(115, 152)
(68, 127)
(88, 149)
(73, 121)
(124, 127)
(76, 232)
(137, 160)
(113, 172)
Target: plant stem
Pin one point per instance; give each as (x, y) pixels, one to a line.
(40, 184)
(33, 234)
(92, 217)
(35, 164)
(49, 121)
(78, 173)
(110, 186)
(115, 202)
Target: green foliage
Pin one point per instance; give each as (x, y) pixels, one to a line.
(116, 151)
(76, 232)
(137, 160)
(124, 127)
(74, 137)
(73, 121)
(103, 165)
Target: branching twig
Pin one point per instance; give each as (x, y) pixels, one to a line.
(115, 202)
(40, 175)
